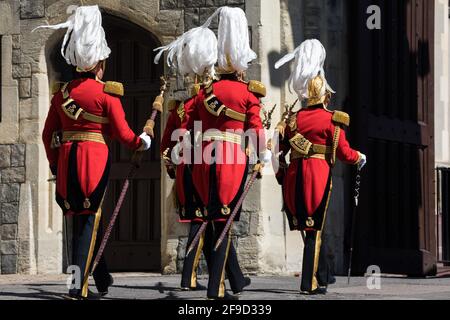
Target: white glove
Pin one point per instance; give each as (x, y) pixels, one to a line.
(362, 162)
(146, 142)
(266, 156)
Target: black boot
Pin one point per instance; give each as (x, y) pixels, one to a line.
(77, 296)
(227, 296)
(198, 287)
(319, 290)
(247, 282)
(104, 289)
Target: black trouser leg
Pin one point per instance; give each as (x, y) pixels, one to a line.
(101, 274)
(208, 245)
(311, 261)
(234, 272)
(84, 240)
(216, 283)
(192, 260)
(325, 272)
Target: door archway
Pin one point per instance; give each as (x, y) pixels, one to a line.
(135, 244)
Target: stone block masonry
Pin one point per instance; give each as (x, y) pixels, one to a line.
(12, 174)
(197, 11)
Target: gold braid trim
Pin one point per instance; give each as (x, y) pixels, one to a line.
(98, 215)
(340, 117)
(198, 254)
(172, 104)
(257, 88)
(222, 278)
(195, 89)
(56, 87)
(83, 136)
(337, 133)
(94, 118)
(113, 87)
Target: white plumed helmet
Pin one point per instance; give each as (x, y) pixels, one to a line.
(194, 52)
(235, 52)
(84, 44)
(308, 77)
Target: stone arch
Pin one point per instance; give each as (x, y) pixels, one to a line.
(164, 24)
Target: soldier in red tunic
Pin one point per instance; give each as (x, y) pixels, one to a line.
(197, 53)
(84, 115)
(189, 206)
(315, 136)
(225, 107)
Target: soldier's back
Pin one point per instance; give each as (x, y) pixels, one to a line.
(315, 124)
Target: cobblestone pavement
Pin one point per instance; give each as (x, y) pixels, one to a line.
(155, 286)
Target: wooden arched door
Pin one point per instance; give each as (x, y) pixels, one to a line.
(135, 242)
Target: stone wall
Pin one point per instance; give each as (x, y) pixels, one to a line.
(12, 152)
(196, 12)
(12, 174)
(441, 89)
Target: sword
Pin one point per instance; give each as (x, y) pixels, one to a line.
(135, 164)
(353, 230)
(197, 237)
(256, 171)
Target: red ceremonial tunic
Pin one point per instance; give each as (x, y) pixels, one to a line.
(83, 166)
(188, 200)
(219, 178)
(307, 182)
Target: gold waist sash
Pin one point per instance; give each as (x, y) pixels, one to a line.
(317, 151)
(83, 136)
(222, 136)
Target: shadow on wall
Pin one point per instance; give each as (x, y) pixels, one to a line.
(291, 14)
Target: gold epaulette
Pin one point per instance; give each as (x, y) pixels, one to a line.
(257, 88)
(56, 87)
(341, 118)
(195, 89)
(172, 104)
(115, 88)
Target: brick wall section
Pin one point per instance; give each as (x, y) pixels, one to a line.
(12, 174)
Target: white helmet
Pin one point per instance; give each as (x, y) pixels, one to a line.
(84, 44)
(308, 77)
